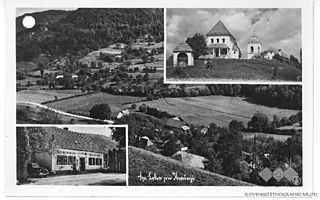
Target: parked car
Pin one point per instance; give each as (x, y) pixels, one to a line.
(36, 171)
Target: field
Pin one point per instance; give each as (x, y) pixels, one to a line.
(218, 109)
(144, 161)
(26, 67)
(281, 138)
(40, 96)
(83, 104)
(145, 45)
(262, 70)
(34, 116)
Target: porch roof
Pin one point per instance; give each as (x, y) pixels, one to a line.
(218, 46)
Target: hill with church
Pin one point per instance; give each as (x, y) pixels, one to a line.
(217, 55)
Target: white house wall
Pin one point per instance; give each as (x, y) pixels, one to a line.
(228, 41)
(78, 155)
(190, 58)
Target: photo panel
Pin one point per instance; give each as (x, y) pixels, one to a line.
(73, 155)
(233, 45)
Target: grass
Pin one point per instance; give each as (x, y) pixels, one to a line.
(250, 135)
(26, 67)
(34, 116)
(40, 96)
(218, 109)
(83, 104)
(237, 70)
(145, 161)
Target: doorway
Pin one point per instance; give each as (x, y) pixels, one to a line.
(82, 164)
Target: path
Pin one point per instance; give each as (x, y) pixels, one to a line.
(82, 179)
(64, 113)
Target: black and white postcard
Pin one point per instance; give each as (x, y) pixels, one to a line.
(206, 99)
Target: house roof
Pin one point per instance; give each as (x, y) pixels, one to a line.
(219, 30)
(183, 47)
(218, 45)
(79, 141)
(189, 159)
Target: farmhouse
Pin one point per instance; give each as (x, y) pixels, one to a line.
(221, 43)
(85, 152)
(269, 53)
(189, 159)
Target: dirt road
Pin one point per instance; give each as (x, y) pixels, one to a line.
(82, 179)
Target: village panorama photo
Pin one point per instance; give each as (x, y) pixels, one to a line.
(71, 155)
(233, 45)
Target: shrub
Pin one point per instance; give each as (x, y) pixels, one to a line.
(259, 122)
(100, 111)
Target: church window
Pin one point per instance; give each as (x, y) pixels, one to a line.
(218, 40)
(251, 49)
(223, 40)
(212, 40)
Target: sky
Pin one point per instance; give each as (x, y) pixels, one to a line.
(277, 28)
(101, 130)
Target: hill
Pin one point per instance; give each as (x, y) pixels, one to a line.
(144, 161)
(58, 33)
(235, 69)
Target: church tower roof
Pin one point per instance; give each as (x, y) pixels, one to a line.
(219, 30)
(254, 39)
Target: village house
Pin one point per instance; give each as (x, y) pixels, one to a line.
(269, 53)
(86, 152)
(189, 158)
(221, 43)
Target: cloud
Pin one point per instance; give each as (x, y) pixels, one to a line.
(278, 28)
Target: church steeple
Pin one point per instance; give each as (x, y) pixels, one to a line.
(254, 46)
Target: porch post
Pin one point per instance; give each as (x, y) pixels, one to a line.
(219, 52)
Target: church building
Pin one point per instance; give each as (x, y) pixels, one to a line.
(221, 43)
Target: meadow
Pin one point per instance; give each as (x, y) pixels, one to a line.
(40, 96)
(82, 104)
(144, 161)
(231, 69)
(218, 109)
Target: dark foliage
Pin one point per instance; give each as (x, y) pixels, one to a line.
(100, 111)
(86, 29)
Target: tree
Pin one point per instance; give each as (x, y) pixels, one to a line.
(100, 111)
(30, 140)
(146, 77)
(119, 134)
(275, 122)
(259, 122)
(198, 44)
(235, 125)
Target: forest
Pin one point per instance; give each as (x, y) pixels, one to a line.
(85, 29)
